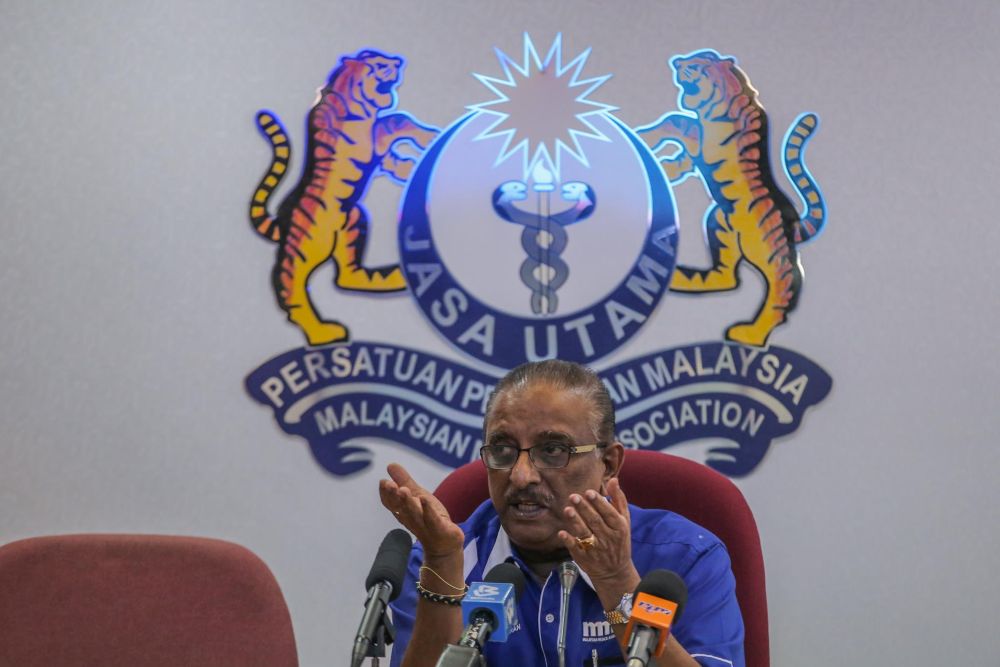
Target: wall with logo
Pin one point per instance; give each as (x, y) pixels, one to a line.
(139, 299)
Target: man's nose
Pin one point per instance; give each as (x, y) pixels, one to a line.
(524, 472)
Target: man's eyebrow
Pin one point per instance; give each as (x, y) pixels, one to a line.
(496, 436)
(501, 435)
(557, 436)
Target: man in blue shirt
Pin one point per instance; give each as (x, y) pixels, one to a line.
(554, 495)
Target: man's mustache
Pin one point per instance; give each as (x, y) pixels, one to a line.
(528, 496)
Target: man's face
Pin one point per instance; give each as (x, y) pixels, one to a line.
(530, 501)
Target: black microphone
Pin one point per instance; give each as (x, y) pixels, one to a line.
(489, 609)
(659, 600)
(384, 583)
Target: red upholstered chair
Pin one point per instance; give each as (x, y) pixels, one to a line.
(128, 600)
(664, 481)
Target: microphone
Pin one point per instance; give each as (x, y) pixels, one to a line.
(568, 573)
(659, 600)
(384, 583)
(489, 612)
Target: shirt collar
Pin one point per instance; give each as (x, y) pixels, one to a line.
(502, 551)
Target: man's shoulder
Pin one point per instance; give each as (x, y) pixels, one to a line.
(663, 530)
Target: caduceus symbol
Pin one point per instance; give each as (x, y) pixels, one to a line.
(544, 236)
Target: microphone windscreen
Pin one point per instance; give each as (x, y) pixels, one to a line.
(507, 573)
(568, 574)
(390, 561)
(666, 585)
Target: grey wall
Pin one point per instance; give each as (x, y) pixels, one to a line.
(136, 297)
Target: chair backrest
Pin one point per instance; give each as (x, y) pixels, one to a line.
(663, 481)
(126, 600)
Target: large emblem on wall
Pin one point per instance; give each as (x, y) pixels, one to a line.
(536, 225)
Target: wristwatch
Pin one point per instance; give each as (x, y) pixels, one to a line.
(622, 613)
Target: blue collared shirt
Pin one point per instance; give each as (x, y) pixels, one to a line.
(710, 627)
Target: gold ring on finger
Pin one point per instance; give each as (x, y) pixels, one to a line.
(586, 543)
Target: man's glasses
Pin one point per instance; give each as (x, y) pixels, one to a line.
(545, 455)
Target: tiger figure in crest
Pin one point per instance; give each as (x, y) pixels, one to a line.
(352, 138)
(722, 136)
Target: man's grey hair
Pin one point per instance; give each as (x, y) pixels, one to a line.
(565, 375)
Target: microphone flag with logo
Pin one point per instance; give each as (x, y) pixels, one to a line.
(658, 602)
(489, 613)
(495, 597)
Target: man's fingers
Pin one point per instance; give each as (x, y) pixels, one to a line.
(410, 502)
(399, 500)
(388, 493)
(618, 499)
(572, 544)
(578, 523)
(402, 478)
(587, 507)
(393, 498)
(569, 541)
(608, 512)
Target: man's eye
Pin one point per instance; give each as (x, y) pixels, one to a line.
(553, 448)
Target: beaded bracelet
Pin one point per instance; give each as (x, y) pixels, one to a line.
(453, 600)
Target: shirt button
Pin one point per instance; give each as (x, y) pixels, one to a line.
(549, 618)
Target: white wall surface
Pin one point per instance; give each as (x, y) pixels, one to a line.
(136, 297)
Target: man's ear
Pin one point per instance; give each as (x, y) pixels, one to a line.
(614, 456)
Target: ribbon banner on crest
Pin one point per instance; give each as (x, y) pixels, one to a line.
(343, 397)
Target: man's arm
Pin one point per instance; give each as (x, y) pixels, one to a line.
(712, 626)
(436, 624)
(609, 562)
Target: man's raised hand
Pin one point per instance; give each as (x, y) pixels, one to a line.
(421, 513)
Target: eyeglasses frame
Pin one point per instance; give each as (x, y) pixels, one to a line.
(573, 449)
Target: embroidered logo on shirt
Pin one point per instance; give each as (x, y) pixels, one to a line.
(597, 631)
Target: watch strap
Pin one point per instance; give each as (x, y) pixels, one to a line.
(620, 615)
(615, 617)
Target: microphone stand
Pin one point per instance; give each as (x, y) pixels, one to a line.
(383, 635)
(468, 652)
(640, 647)
(568, 572)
